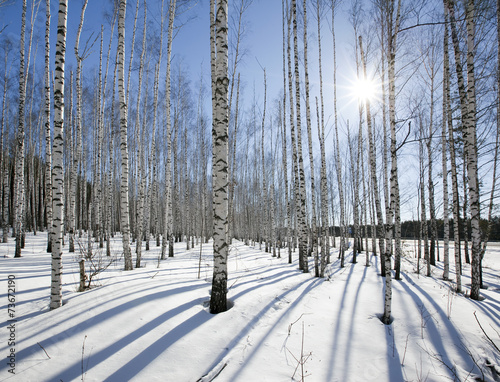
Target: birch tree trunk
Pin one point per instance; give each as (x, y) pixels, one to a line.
(444, 147)
(264, 198)
(58, 156)
(311, 155)
(140, 153)
(124, 205)
(468, 112)
(432, 209)
(151, 213)
(5, 161)
(385, 259)
(424, 227)
(393, 28)
(472, 166)
(19, 193)
(451, 144)
(168, 218)
(76, 158)
(48, 140)
(301, 213)
(336, 145)
(244, 4)
(373, 170)
(219, 35)
(295, 172)
(98, 172)
(325, 235)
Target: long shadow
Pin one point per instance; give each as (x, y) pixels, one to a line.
(393, 360)
(487, 310)
(313, 284)
(245, 330)
(347, 354)
(153, 351)
(281, 276)
(435, 332)
(74, 371)
(338, 326)
(99, 319)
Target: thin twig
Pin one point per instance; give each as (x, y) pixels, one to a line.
(83, 354)
(404, 354)
(487, 336)
(154, 275)
(47, 354)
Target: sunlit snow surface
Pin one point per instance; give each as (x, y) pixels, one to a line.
(153, 324)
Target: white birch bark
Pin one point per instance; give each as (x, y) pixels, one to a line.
(264, 199)
(430, 185)
(124, 202)
(394, 227)
(48, 140)
(58, 159)
(19, 193)
(423, 210)
(325, 241)
(468, 112)
(454, 176)
(301, 213)
(472, 151)
(373, 168)
(295, 172)
(151, 213)
(338, 163)
(168, 218)
(311, 155)
(5, 158)
(218, 300)
(98, 176)
(244, 4)
(140, 153)
(78, 132)
(444, 148)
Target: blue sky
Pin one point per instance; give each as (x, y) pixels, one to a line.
(261, 44)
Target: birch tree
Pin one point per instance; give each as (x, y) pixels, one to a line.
(325, 241)
(168, 218)
(19, 194)
(220, 121)
(124, 201)
(58, 156)
(301, 213)
(393, 220)
(48, 141)
(467, 94)
(140, 153)
(4, 153)
(78, 132)
(451, 144)
(444, 156)
(311, 155)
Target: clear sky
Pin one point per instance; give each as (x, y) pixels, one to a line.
(261, 45)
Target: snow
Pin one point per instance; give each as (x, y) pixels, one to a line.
(153, 323)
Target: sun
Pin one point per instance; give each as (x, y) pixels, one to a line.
(364, 89)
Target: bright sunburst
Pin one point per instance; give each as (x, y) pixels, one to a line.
(364, 90)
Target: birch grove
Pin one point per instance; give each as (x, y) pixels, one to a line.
(407, 172)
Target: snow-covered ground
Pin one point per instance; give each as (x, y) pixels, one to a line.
(153, 324)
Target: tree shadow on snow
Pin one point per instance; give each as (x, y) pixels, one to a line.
(74, 371)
